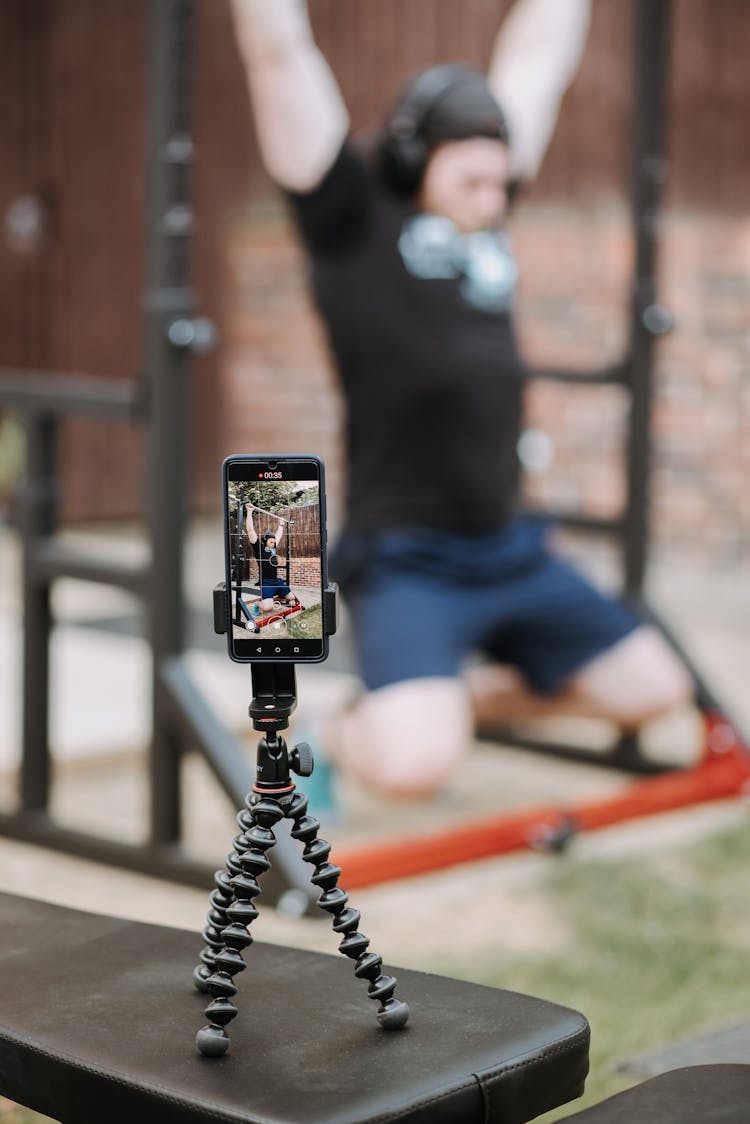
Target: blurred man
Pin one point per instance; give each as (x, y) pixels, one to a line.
(414, 274)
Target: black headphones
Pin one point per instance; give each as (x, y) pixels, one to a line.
(404, 148)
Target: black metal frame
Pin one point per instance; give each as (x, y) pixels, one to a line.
(647, 320)
(182, 719)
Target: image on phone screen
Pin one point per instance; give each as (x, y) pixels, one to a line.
(274, 538)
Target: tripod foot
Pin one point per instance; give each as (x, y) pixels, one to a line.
(393, 1015)
(212, 1041)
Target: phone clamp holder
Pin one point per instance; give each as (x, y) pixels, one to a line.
(274, 797)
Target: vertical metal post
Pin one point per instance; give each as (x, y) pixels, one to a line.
(649, 171)
(38, 504)
(169, 303)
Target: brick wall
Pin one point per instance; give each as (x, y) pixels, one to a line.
(306, 572)
(279, 393)
(576, 313)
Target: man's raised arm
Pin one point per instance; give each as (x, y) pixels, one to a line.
(250, 531)
(535, 56)
(300, 117)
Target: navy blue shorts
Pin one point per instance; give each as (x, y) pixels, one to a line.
(424, 601)
(276, 588)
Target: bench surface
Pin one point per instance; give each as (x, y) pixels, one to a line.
(698, 1094)
(98, 1017)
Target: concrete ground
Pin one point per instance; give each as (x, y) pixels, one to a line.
(99, 705)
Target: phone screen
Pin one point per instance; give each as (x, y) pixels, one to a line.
(275, 559)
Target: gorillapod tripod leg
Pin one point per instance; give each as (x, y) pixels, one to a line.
(392, 1013)
(274, 797)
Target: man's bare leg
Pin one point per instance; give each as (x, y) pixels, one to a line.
(634, 681)
(404, 739)
(408, 738)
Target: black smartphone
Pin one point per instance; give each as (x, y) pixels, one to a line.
(275, 548)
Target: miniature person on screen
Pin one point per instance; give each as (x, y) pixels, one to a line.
(413, 274)
(265, 549)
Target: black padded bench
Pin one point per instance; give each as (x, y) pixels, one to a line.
(698, 1094)
(98, 1019)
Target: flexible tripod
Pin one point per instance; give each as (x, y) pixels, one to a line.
(274, 797)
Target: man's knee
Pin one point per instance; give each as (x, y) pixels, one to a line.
(639, 679)
(407, 738)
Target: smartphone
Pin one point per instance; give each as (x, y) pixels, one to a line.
(275, 550)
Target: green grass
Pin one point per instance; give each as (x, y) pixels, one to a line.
(658, 949)
(313, 620)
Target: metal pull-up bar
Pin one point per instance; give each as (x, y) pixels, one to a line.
(262, 510)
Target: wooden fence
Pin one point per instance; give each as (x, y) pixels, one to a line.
(304, 536)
